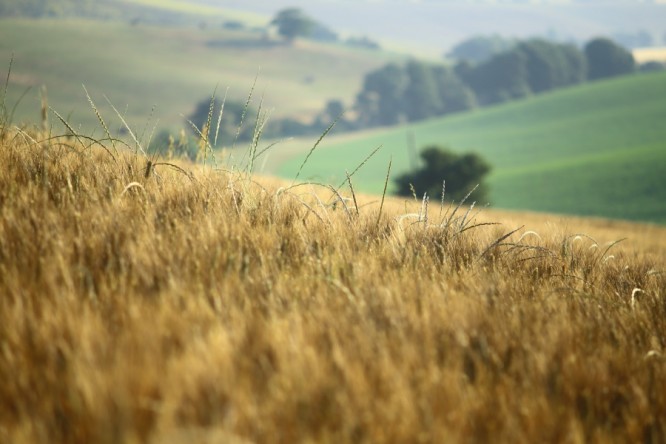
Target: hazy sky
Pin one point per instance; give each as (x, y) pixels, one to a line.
(430, 26)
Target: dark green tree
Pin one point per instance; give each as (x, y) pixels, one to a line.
(460, 173)
(454, 95)
(367, 109)
(502, 78)
(463, 70)
(576, 64)
(552, 65)
(380, 102)
(421, 96)
(606, 59)
(546, 65)
(292, 23)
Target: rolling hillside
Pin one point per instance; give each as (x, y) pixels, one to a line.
(142, 303)
(598, 149)
(171, 67)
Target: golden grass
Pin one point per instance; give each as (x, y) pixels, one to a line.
(170, 308)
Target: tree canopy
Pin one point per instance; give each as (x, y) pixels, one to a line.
(459, 172)
(454, 95)
(552, 65)
(532, 66)
(502, 78)
(380, 100)
(415, 91)
(420, 98)
(292, 23)
(418, 90)
(608, 59)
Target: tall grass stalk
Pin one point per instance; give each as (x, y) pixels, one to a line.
(360, 165)
(245, 108)
(137, 144)
(314, 147)
(101, 120)
(260, 123)
(386, 181)
(7, 117)
(351, 188)
(3, 102)
(85, 142)
(219, 116)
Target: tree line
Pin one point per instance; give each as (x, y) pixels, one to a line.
(416, 90)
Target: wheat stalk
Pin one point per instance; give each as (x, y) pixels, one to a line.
(381, 205)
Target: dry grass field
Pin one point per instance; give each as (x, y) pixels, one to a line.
(172, 303)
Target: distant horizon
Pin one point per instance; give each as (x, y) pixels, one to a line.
(440, 24)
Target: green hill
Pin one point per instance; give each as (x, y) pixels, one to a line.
(598, 149)
(171, 67)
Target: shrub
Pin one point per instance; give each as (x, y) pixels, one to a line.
(460, 173)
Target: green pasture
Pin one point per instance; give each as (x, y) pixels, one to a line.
(170, 68)
(597, 149)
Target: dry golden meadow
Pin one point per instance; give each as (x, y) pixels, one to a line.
(176, 303)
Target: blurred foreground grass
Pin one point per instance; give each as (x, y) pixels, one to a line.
(140, 302)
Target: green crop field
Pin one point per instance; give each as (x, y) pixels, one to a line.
(597, 149)
(171, 68)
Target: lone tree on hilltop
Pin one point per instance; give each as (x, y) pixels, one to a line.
(460, 172)
(292, 23)
(606, 58)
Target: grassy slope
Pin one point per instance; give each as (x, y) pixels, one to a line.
(204, 308)
(598, 149)
(170, 67)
